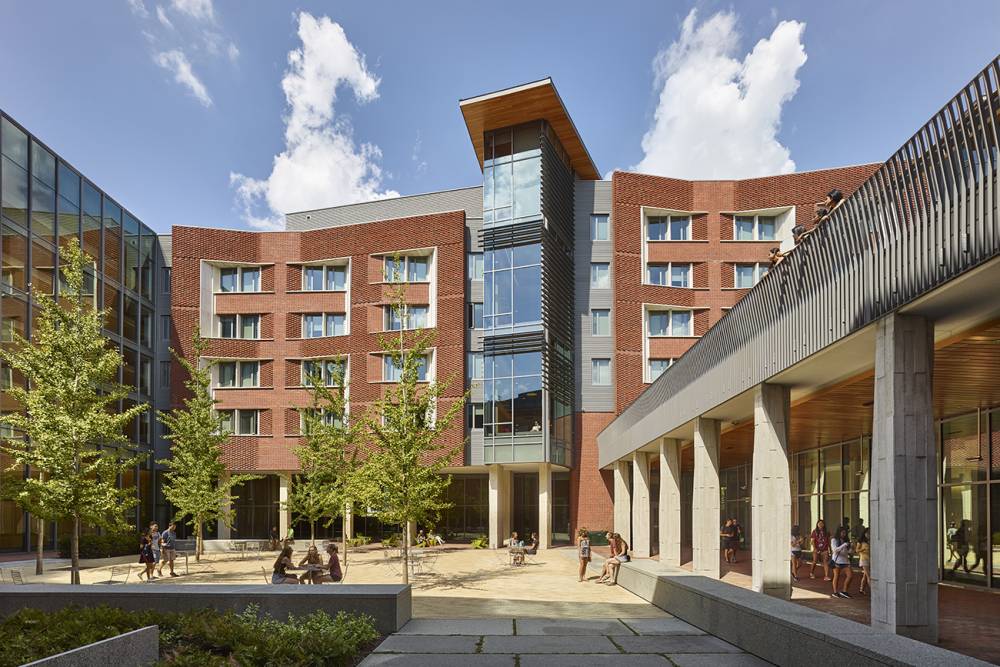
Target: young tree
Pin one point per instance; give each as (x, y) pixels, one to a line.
(70, 403)
(196, 483)
(328, 452)
(400, 480)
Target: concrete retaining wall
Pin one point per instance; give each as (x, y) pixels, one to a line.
(138, 648)
(389, 604)
(782, 632)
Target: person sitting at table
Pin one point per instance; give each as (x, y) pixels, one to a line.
(531, 548)
(311, 558)
(421, 540)
(281, 567)
(433, 538)
(333, 573)
(514, 541)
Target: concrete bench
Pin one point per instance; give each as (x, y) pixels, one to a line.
(389, 604)
(777, 630)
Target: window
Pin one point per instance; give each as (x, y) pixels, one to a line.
(331, 372)
(392, 372)
(474, 413)
(238, 374)
(600, 322)
(329, 418)
(668, 228)
(657, 366)
(475, 316)
(512, 288)
(247, 422)
(513, 392)
(754, 227)
(670, 323)
(164, 374)
(227, 374)
(412, 317)
(318, 325)
(748, 275)
(600, 372)
(239, 279)
(406, 269)
(416, 269)
(165, 279)
(239, 326)
(511, 174)
(474, 361)
(670, 274)
(249, 373)
(600, 275)
(599, 228)
(475, 264)
(250, 326)
(325, 278)
(165, 326)
(227, 326)
(226, 418)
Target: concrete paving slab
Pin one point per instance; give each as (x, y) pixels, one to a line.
(564, 627)
(676, 644)
(547, 644)
(661, 626)
(437, 660)
(427, 644)
(593, 661)
(459, 626)
(716, 660)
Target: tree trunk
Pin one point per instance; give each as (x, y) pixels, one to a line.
(312, 533)
(406, 554)
(40, 552)
(74, 552)
(197, 542)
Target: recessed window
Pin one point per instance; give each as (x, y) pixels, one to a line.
(331, 372)
(600, 322)
(747, 275)
(406, 269)
(411, 317)
(669, 274)
(600, 275)
(319, 325)
(668, 228)
(754, 227)
(475, 315)
(239, 422)
(475, 265)
(165, 326)
(164, 374)
(600, 228)
(328, 417)
(239, 279)
(238, 374)
(239, 326)
(331, 278)
(600, 372)
(474, 362)
(657, 366)
(670, 323)
(165, 279)
(474, 415)
(249, 373)
(393, 372)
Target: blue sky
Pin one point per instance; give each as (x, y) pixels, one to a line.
(99, 83)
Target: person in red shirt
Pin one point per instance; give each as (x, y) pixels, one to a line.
(820, 538)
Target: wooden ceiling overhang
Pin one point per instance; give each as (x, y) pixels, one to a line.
(538, 100)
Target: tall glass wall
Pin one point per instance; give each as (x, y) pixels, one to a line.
(46, 204)
(511, 175)
(513, 410)
(831, 483)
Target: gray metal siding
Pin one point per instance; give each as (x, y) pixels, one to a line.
(469, 200)
(591, 197)
(928, 215)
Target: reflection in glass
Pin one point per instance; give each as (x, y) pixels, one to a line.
(965, 536)
(15, 258)
(43, 268)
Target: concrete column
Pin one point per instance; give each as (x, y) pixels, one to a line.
(771, 511)
(544, 506)
(222, 530)
(348, 521)
(623, 502)
(904, 481)
(705, 502)
(641, 529)
(670, 502)
(284, 481)
(496, 538)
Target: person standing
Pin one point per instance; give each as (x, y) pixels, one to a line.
(796, 544)
(168, 551)
(583, 550)
(820, 538)
(864, 550)
(840, 555)
(154, 538)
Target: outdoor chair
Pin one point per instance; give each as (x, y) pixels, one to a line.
(253, 549)
(3, 577)
(122, 571)
(15, 577)
(267, 577)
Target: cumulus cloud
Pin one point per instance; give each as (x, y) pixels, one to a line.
(161, 16)
(233, 52)
(718, 116)
(201, 10)
(321, 164)
(176, 62)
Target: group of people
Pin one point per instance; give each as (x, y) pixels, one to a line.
(520, 548)
(428, 539)
(834, 552)
(619, 554)
(731, 533)
(315, 572)
(156, 548)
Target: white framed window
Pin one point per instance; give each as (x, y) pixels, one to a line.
(329, 417)
(331, 372)
(393, 372)
(668, 228)
(600, 322)
(407, 268)
(657, 366)
(239, 326)
(600, 372)
(667, 323)
(475, 364)
(320, 325)
(324, 278)
(412, 317)
(237, 374)
(240, 422)
(600, 275)
(748, 275)
(239, 279)
(600, 227)
(755, 227)
(474, 262)
(670, 274)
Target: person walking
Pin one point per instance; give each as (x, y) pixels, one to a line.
(146, 557)
(154, 538)
(864, 549)
(796, 544)
(583, 550)
(168, 550)
(730, 539)
(820, 538)
(841, 558)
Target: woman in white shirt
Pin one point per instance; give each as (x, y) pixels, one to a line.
(840, 557)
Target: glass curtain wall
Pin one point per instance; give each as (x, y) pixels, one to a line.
(735, 485)
(513, 409)
(831, 483)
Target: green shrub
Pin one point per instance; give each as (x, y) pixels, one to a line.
(394, 540)
(480, 542)
(598, 538)
(359, 541)
(202, 637)
(103, 546)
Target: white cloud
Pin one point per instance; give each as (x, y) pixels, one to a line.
(717, 116)
(200, 10)
(161, 16)
(321, 164)
(138, 8)
(175, 61)
(233, 52)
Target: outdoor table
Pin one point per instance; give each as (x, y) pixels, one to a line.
(309, 567)
(514, 552)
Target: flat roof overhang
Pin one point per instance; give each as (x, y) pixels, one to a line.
(538, 100)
